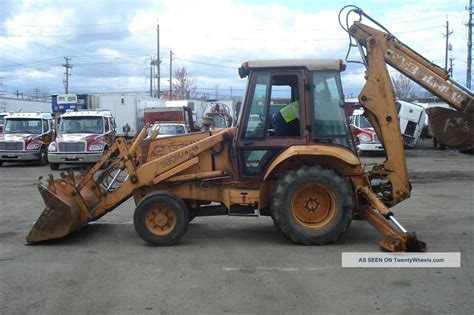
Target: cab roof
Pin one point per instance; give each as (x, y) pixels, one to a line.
(84, 113)
(36, 115)
(310, 64)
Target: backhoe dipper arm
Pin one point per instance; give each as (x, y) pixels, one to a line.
(452, 128)
(378, 99)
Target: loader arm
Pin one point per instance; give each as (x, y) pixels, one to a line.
(75, 200)
(453, 128)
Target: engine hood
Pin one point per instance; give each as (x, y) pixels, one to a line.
(17, 137)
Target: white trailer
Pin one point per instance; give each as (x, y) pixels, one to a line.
(128, 110)
(9, 104)
(197, 107)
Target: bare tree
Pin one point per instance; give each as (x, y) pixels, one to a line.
(403, 86)
(184, 88)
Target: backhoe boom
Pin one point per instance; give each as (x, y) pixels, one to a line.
(455, 129)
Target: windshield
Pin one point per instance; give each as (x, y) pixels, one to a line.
(22, 125)
(330, 123)
(81, 125)
(220, 122)
(364, 122)
(171, 130)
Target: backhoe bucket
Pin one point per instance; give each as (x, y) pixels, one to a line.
(452, 128)
(65, 212)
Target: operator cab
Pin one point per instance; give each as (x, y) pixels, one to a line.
(289, 102)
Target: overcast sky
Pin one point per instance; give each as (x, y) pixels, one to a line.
(111, 42)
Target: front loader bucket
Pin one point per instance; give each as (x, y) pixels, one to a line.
(452, 128)
(65, 212)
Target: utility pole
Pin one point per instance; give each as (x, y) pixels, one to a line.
(151, 79)
(171, 74)
(469, 47)
(68, 66)
(158, 61)
(447, 45)
(450, 70)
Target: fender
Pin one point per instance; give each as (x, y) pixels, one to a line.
(342, 158)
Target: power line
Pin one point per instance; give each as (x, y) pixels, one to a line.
(91, 34)
(71, 25)
(205, 63)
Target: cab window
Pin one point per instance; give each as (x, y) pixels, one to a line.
(329, 119)
(45, 126)
(107, 126)
(274, 108)
(255, 124)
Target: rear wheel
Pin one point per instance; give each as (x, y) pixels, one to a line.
(312, 205)
(161, 218)
(54, 166)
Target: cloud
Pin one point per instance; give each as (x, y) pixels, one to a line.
(110, 41)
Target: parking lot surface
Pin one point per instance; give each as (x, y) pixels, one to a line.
(235, 264)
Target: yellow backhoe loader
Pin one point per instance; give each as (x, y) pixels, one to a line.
(291, 156)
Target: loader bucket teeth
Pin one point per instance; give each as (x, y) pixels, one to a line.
(452, 128)
(62, 215)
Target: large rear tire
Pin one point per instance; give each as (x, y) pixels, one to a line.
(161, 218)
(312, 205)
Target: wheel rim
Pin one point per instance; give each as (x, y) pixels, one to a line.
(160, 220)
(313, 206)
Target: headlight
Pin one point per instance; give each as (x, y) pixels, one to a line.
(96, 147)
(33, 146)
(52, 147)
(364, 137)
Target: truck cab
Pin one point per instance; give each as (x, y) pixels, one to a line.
(364, 134)
(2, 121)
(83, 137)
(412, 119)
(220, 116)
(26, 137)
(290, 105)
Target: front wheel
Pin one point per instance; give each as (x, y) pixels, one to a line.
(161, 218)
(312, 205)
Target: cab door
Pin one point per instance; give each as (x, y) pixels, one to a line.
(264, 132)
